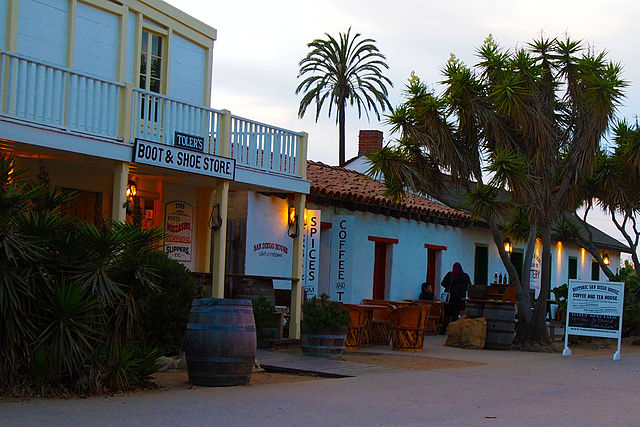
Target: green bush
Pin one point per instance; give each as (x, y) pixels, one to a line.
(323, 315)
(69, 310)
(631, 313)
(164, 314)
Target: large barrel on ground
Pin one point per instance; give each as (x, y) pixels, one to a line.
(220, 342)
(501, 320)
(473, 308)
(329, 345)
(252, 287)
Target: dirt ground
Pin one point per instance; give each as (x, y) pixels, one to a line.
(585, 346)
(177, 379)
(404, 361)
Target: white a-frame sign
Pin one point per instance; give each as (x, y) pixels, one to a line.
(594, 309)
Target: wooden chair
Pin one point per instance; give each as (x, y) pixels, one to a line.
(435, 317)
(408, 326)
(355, 333)
(381, 326)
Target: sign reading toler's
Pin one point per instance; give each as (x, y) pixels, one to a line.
(190, 142)
(166, 156)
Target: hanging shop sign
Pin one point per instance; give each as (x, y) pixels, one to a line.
(165, 156)
(178, 243)
(535, 279)
(311, 252)
(190, 142)
(342, 257)
(594, 309)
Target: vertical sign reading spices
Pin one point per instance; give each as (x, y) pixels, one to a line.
(341, 257)
(179, 227)
(311, 252)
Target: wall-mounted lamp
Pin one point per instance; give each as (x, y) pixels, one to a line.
(508, 247)
(605, 259)
(293, 229)
(215, 220)
(132, 191)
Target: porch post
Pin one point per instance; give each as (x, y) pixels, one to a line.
(222, 199)
(220, 241)
(297, 254)
(120, 180)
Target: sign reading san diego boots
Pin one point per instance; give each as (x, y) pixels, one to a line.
(167, 156)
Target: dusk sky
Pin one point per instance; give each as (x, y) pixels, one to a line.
(260, 44)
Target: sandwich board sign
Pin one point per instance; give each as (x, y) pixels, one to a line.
(594, 309)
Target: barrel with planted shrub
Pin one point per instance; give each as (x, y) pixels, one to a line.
(220, 342)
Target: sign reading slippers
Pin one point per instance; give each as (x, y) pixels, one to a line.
(166, 156)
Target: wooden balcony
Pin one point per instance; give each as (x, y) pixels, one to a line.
(42, 95)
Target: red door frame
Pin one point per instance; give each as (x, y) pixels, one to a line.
(380, 265)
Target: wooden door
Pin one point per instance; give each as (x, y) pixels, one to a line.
(380, 271)
(432, 256)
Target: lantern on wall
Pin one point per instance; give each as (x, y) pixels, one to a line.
(605, 259)
(293, 227)
(132, 191)
(508, 246)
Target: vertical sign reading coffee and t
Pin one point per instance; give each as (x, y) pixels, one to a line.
(311, 253)
(179, 227)
(341, 257)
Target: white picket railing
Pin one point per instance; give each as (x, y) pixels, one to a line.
(264, 146)
(51, 95)
(156, 118)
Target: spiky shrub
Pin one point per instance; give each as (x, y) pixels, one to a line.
(67, 294)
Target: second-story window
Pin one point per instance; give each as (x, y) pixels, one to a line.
(151, 62)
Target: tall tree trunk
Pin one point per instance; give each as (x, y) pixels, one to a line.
(540, 311)
(341, 130)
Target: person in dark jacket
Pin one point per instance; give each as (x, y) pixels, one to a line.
(427, 291)
(456, 282)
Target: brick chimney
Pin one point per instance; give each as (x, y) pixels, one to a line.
(369, 140)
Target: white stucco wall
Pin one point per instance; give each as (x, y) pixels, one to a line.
(266, 222)
(268, 249)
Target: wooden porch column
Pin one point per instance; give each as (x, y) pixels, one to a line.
(220, 241)
(296, 269)
(120, 180)
(297, 253)
(222, 199)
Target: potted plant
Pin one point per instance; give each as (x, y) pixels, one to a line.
(561, 293)
(324, 327)
(268, 321)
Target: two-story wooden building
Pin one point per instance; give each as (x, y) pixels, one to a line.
(112, 99)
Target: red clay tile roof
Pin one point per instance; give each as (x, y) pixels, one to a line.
(338, 183)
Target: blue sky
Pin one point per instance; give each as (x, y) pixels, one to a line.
(260, 44)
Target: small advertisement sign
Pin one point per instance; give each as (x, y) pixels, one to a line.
(341, 257)
(311, 253)
(166, 156)
(179, 227)
(594, 309)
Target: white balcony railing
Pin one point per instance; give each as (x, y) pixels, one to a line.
(52, 96)
(47, 94)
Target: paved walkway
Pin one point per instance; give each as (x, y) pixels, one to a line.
(509, 389)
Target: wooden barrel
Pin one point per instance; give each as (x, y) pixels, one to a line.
(473, 308)
(501, 320)
(220, 342)
(323, 345)
(252, 287)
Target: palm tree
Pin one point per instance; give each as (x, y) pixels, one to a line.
(533, 116)
(345, 70)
